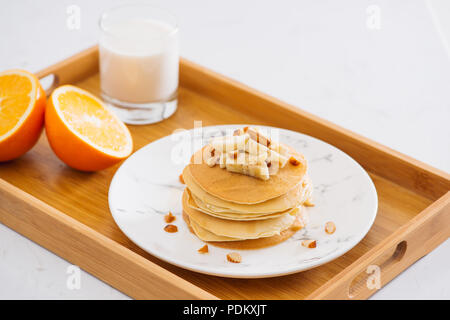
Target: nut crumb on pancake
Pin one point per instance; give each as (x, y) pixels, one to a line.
(203, 249)
(294, 161)
(170, 228)
(168, 218)
(181, 179)
(330, 227)
(234, 257)
(309, 244)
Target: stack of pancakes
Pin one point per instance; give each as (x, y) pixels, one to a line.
(238, 211)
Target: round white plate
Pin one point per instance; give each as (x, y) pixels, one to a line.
(146, 187)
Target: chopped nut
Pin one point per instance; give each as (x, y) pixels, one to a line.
(234, 154)
(171, 228)
(181, 178)
(234, 257)
(297, 225)
(309, 243)
(330, 227)
(269, 164)
(213, 151)
(294, 161)
(258, 137)
(203, 249)
(169, 217)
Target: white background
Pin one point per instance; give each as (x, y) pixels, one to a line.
(390, 84)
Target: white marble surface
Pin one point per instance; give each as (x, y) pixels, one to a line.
(390, 84)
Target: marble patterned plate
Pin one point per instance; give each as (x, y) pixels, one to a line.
(147, 186)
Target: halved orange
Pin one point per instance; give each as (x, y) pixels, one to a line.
(22, 106)
(83, 132)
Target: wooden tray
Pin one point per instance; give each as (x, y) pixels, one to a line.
(67, 211)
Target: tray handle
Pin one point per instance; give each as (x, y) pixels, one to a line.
(49, 83)
(393, 255)
(69, 72)
(371, 275)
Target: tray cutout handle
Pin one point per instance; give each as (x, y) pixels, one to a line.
(49, 83)
(371, 277)
(70, 71)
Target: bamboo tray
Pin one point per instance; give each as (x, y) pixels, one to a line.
(67, 211)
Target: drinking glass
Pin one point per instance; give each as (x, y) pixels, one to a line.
(139, 61)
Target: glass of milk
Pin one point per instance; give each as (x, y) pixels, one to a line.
(139, 63)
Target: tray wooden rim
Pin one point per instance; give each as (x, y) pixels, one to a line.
(31, 215)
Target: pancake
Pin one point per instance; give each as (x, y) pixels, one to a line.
(243, 189)
(237, 229)
(292, 198)
(206, 235)
(302, 197)
(244, 244)
(197, 204)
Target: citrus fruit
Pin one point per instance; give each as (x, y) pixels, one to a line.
(83, 132)
(22, 106)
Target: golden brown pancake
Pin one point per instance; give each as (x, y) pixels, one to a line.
(252, 243)
(195, 204)
(292, 198)
(243, 189)
(237, 229)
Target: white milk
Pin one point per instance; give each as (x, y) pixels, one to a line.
(139, 60)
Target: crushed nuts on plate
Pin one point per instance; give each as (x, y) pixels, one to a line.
(171, 228)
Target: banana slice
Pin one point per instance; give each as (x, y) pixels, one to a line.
(211, 155)
(223, 161)
(230, 143)
(281, 149)
(254, 147)
(241, 157)
(260, 171)
(257, 136)
(275, 157)
(248, 152)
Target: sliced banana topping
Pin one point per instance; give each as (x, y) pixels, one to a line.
(247, 152)
(230, 143)
(211, 155)
(258, 171)
(257, 136)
